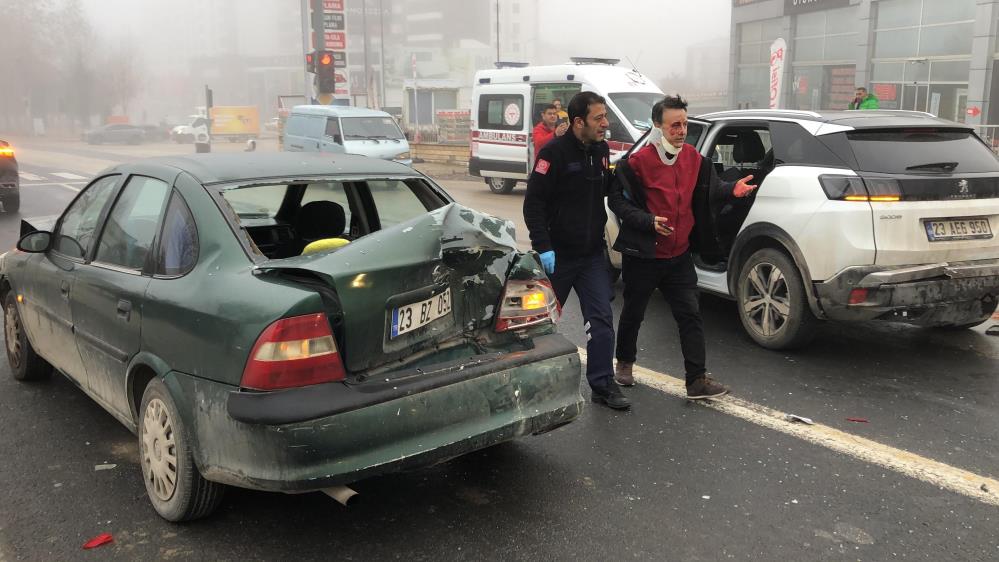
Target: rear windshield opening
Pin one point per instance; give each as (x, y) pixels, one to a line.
(282, 219)
(921, 151)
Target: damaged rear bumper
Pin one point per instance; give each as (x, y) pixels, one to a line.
(931, 294)
(518, 394)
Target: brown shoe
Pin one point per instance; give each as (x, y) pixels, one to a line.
(623, 375)
(705, 387)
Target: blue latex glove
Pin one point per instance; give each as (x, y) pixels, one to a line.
(548, 261)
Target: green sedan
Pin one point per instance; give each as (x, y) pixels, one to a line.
(287, 322)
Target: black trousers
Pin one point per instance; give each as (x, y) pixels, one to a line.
(588, 276)
(677, 281)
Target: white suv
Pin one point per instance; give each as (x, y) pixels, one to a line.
(859, 215)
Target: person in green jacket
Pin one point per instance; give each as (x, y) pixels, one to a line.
(863, 100)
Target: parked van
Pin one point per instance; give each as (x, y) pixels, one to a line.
(354, 130)
(507, 103)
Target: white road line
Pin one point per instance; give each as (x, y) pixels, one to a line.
(68, 186)
(976, 486)
(68, 176)
(49, 184)
(29, 176)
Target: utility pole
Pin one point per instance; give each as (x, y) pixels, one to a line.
(319, 32)
(497, 32)
(381, 49)
(367, 47)
(307, 88)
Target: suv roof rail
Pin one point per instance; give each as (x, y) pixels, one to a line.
(511, 64)
(908, 112)
(593, 60)
(787, 112)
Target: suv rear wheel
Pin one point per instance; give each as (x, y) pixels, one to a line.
(500, 185)
(773, 305)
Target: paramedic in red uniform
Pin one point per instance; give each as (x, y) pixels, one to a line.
(546, 130)
(653, 195)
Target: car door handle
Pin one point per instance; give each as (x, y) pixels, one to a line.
(295, 146)
(124, 309)
(64, 289)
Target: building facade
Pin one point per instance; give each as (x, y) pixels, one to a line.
(937, 56)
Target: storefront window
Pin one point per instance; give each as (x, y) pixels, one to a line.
(754, 60)
(906, 28)
(825, 36)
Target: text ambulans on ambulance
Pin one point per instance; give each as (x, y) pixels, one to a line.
(507, 103)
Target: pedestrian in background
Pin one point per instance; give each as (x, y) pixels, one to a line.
(863, 100)
(565, 216)
(547, 129)
(653, 196)
(563, 116)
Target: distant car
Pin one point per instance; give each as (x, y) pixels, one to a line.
(10, 181)
(115, 133)
(155, 132)
(859, 215)
(187, 297)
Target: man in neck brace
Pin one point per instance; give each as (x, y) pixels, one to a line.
(653, 194)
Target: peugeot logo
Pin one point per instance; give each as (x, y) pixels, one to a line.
(962, 187)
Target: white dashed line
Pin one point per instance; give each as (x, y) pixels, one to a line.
(966, 483)
(68, 176)
(29, 176)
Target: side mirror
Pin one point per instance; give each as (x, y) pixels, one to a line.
(35, 242)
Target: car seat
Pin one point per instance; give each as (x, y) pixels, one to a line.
(751, 157)
(318, 220)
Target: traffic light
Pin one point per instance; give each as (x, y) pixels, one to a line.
(325, 72)
(310, 62)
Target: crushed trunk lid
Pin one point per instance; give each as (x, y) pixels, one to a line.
(452, 250)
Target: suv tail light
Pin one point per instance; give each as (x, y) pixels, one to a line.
(6, 151)
(526, 303)
(292, 352)
(855, 188)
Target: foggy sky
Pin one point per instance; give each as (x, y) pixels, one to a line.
(653, 33)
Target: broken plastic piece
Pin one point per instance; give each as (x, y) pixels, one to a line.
(796, 418)
(100, 540)
(858, 420)
(104, 467)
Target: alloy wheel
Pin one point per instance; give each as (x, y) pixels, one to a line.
(12, 330)
(159, 450)
(766, 301)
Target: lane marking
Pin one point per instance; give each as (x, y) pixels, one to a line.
(903, 462)
(68, 186)
(29, 176)
(68, 176)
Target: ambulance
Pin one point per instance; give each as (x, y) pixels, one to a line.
(507, 102)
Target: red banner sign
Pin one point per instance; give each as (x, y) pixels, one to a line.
(336, 40)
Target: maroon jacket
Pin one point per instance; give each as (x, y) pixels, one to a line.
(669, 192)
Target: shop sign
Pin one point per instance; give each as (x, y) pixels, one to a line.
(886, 92)
(802, 6)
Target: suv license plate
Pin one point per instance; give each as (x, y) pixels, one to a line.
(969, 228)
(412, 316)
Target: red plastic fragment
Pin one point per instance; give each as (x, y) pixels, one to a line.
(858, 420)
(100, 540)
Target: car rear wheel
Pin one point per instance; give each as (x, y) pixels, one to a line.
(12, 205)
(25, 364)
(773, 305)
(176, 489)
(500, 185)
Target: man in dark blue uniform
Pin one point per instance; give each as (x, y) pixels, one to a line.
(564, 212)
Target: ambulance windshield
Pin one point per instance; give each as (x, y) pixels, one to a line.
(636, 107)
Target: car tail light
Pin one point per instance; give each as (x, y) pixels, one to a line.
(292, 352)
(858, 296)
(526, 303)
(855, 188)
(6, 152)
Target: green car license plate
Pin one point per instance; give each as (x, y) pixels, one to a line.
(418, 314)
(964, 228)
